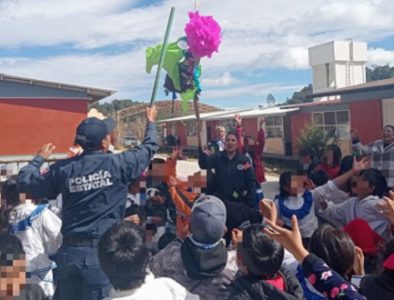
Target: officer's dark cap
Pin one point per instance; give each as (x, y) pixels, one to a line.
(91, 131)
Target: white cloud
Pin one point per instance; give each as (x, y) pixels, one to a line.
(380, 57)
(124, 72)
(224, 79)
(259, 34)
(249, 90)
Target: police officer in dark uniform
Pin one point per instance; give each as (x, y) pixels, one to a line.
(94, 190)
(233, 179)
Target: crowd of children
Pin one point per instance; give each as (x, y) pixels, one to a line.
(328, 234)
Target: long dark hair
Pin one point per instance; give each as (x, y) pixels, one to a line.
(376, 179)
(334, 246)
(284, 180)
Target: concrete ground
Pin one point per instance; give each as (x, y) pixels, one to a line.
(187, 168)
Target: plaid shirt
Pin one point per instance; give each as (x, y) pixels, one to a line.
(382, 158)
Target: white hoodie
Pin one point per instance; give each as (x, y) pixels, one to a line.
(156, 289)
(355, 208)
(40, 239)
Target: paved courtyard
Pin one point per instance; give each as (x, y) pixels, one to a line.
(186, 168)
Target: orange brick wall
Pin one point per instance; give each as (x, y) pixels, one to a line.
(26, 124)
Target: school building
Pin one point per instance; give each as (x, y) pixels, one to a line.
(34, 112)
(342, 100)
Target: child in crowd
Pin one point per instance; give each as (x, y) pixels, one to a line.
(331, 164)
(337, 249)
(38, 228)
(295, 199)
(201, 262)
(14, 278)
(368, 186)
(135, 214)
(183, 200)
(323, 278)
(261, 276)
(124, 259)
(308, 162)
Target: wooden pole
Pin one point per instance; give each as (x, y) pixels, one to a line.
(162, 55)
(199, 128)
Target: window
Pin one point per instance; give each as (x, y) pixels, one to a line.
(274, 127)
(333, 122)
(171, 129)
(228, 124)
(191, 128)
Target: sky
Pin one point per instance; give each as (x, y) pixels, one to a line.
(102, 43)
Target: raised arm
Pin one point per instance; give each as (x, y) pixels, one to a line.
(206, 160)
(357, 146)
(134, 161)
(322, 277)
(32, 182)
(177, 199)
(358, 166)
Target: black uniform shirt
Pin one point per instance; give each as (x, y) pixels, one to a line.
(93, 185)
(233, 179)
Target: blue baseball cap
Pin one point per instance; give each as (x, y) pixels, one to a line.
(91, 131)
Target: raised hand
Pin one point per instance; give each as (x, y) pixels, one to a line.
(151, 113)
(236, 237)
(175, 152)
(206, 151)
(360, 165)
(172, 181)
(46, 150)
(387, 206)
(291, 240)
(238, 119)
(358, 263)
(309, 185)
(268, 210)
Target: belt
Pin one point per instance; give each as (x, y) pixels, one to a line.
(80, 242)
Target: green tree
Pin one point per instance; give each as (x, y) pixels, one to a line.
(270, 100)
(379, 72)
(301, 95)
(314, 141)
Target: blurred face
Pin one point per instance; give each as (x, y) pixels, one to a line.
(198, 181)
(137, 187)
(231, 143)
(297, 185)
(159, 172)
(360, 187)
(220, 132)
(329, 158)
(388, 135)
(13, 275)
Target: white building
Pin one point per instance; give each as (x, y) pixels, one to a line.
(337, 64)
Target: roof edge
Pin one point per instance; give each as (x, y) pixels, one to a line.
(94, 94)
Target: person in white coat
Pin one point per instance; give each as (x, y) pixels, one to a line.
(38, 228)
(368, 186)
